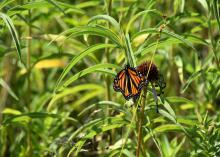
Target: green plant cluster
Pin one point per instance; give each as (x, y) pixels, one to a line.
(58, 60)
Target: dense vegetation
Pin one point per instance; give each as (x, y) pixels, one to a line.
(58, 60)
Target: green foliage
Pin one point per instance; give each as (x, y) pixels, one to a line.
(58, 60)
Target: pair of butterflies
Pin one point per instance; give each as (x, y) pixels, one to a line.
(129, 82)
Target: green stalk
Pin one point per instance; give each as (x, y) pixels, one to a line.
(121, 14)
(139, 145)
(140, 123)
(213, 45)
(28, 61)
(108, 79)
(29, 140)
(129, 128)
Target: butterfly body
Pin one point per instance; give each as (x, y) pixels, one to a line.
(129, 82)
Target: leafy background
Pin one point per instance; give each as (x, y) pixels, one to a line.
(58, 60)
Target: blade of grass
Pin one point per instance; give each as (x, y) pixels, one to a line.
(162, 129)
(165, 32)
(86, 71)
(87, 96)
(10, 91)
(5, 3)
(13, 32)
(72, 91)
(39, 4)
(138, 15)
(106, 124)
(107, 18)
(78, 58)
(129, 52)
(191, 79)
(56, 5)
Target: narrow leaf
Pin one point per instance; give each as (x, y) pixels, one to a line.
(86, 71)
(79, 57)
(56, 5)
(72, 91)
(10, 91)
(107, 18)
(13, 32)
(138, 15)
(191, 79)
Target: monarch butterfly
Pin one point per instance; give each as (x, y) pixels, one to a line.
(129, 82)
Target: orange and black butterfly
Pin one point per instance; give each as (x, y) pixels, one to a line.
(129, 82)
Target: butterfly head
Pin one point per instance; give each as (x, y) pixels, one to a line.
(127, 66)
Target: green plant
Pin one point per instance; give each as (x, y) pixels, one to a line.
(58, 60)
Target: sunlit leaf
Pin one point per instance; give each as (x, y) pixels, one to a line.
(11, 111)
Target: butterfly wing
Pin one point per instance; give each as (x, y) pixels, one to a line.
(129, 82)
(135, 82)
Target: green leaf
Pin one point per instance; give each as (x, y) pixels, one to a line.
(178, 148)
(79, 57)
(99, 104)
(179, 6)
(86, 97)
(174, 99)
(191, 79)
(186, 121)
(107, 18)
(167, 115)
(204, 4)
(138, 15)
(165, 32)
(5, 3)
(216, 12)
(87, 71)
(169, 109)
(165, 146)
(151, 47)
(25, 117)
(163, 128)
(11, 111)
(195, 39)
(10, 91)
(13, 32)
(97, 127)
(92, 30)
(87, 4)
(129, 52)
(42, 3)
(72, 91)
(174, 35)
(56, 5)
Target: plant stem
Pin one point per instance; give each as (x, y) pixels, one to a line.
(213, 45)
(143, 100)
(28, 61)
(129, 128)
(8, 72)
(141, 119)
(29, 140)
(108, 79)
